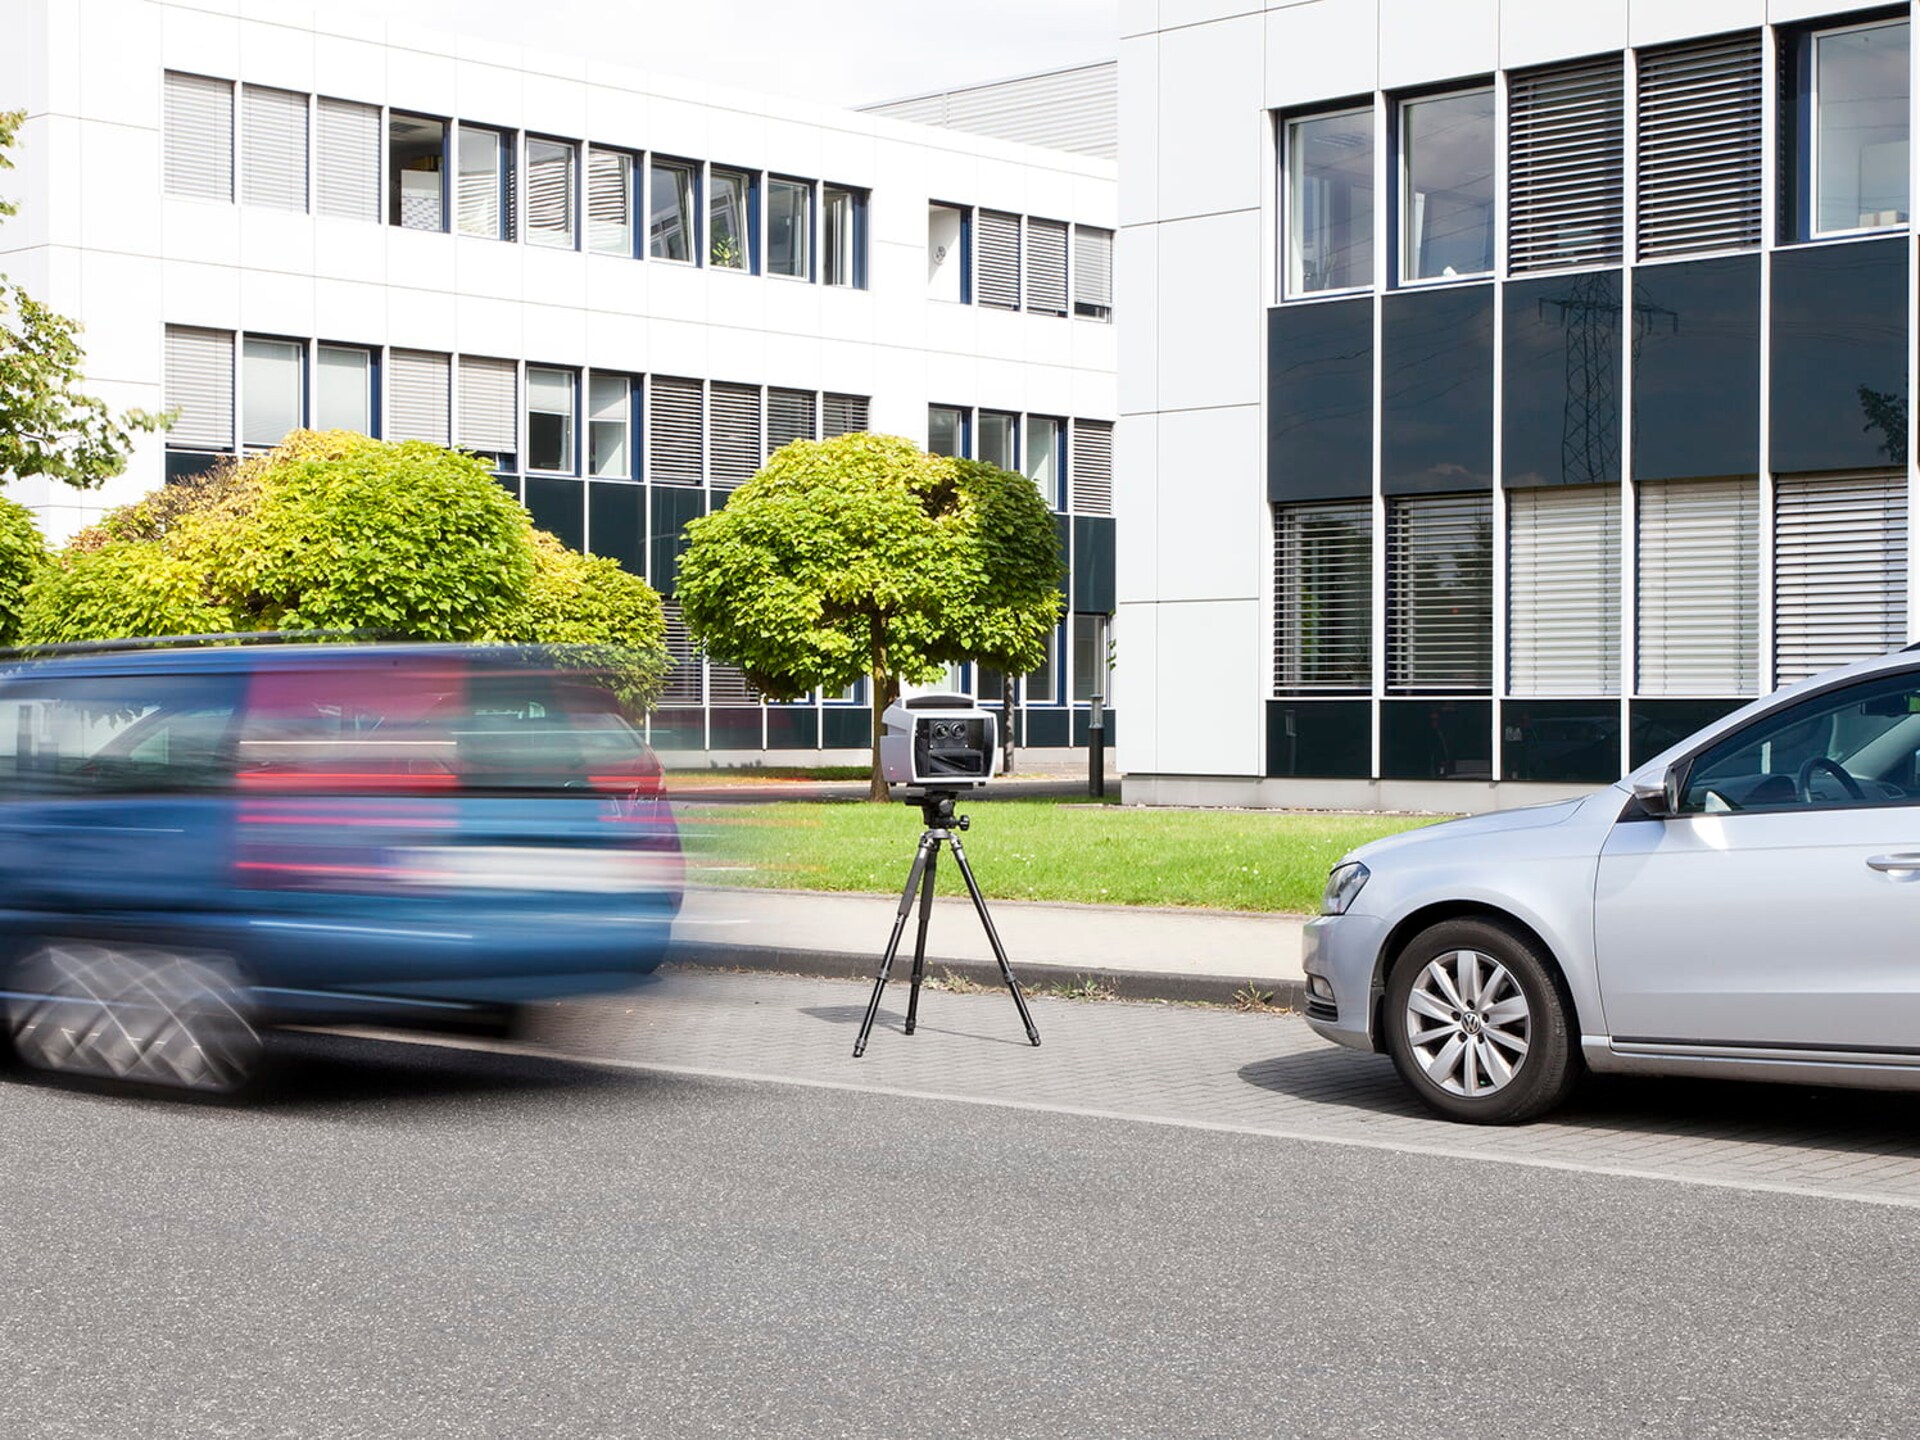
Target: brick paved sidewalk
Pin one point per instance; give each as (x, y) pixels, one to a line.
(1252, 1072)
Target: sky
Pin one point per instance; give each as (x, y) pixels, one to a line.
(835, 52)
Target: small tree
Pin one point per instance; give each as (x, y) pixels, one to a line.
(23, 559)
(864, 556)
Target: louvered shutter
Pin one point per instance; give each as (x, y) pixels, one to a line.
(1092, 273)
(734, 428)
(1047, 267)
(419, 396)
(1322, 597)
(550, 193)
(727, 687)
(683, 680)
(1440, 595)
(1699, 157)
(789, 417)
(199, 139)
(1566, 156)
(489, 405)
(199, 384)
(609, 202)
(1563, 591)
(1699, 587)
(1091, 474)
(273, 148)
(673, 436)
(348, 180)
(845, 414)
(996, 265)
(1840, 571)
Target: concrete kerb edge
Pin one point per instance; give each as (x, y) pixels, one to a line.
(1038, 979)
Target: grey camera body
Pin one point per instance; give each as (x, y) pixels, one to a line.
(941, 742)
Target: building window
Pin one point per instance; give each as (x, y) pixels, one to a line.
(1855, 105)
(550, 193)
(1840, 570)
(489, 409)
(1440, 595)
(729, 224)
(343, 389)
(549, 419)
(843, 237)
(733, 428)
(670, 222)
(843, 414)
(999, 439)
(946, 430)
(419, 395)
(199, 384)
(790, 417)
(271, 386)
(610, 201)
(1091, 474)
(1446, 200)
(1699, 587)
(1329, 202)
(996, 266)
(1043, 682)
(1566, 165)
(1047, 267)
(347, 168)
(1323, 597)
(416, 150)
(1697, 162)
(949, 239)
(609, 426)
(675, 432)
(1046, 454)
(789, 226)
(1563, 591)
(486, 157)
(1092, 273)
(199, 137)
(273, 148)
(1090, 668)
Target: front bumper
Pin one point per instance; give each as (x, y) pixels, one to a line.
(1341, 953)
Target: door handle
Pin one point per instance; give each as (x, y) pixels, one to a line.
(1895, 864)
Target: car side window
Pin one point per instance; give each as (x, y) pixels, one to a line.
(1859, 745)
(116, 734)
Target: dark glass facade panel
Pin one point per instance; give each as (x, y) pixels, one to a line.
(1110, 726)
(1436, 391)
(1331, 739)
(1436, 739)
(559, 507)
(1568, 741)
(1653, 725)
(1320, 400)
(185, 464)
(846, 727)
(792, 727)
(1561, 380)
(509, 483)
(1093, 564)
(678, 729)
(733, 728)
(1839, 375)
(1696, 369)
(617, 521)
(672, 509)
(1047, 728)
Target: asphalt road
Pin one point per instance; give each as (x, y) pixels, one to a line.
(420, 1241)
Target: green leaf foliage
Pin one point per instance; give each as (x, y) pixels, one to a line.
(23, 558)
(119, 588)
(611, 619)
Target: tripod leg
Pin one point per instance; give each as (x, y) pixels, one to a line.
(893, 943)
(993, 938)
(920, 936)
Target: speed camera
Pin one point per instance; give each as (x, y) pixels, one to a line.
(939, 741)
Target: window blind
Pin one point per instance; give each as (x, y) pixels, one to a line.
(347, 182)
(1566, 165)
(1699, 587)
(609, 202)
(1092, 273)
(489, 405)
(1323, 597)
(683, 680)
(199, 137)
(478, 194)
(996, 265)
(419, 388)
(1840, 571)
(550, 193)
(273, 148)
(727, 686)
(674, 432)
(789, 417)
(1698, 165)
(1440, 595)
(734, 418)
(199, 383)
(1047, 267)
(844, 414)
(1091, 474)
(1563, 591)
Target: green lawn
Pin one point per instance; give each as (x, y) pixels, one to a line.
(1040, 849)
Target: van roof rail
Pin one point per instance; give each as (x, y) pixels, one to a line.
(167, 642)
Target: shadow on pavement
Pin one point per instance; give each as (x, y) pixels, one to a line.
(316, 1072)
(895, 1022)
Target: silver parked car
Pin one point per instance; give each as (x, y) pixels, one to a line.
(1746, 905)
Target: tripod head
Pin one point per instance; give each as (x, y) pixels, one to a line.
(936, 809)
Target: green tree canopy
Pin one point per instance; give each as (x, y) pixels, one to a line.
(865, 556)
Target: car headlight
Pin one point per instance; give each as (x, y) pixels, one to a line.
(1342, 886)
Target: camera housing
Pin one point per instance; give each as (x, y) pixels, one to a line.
(941, 742)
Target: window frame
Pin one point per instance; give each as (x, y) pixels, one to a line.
(1016, 436)
(634, 166)
(576, 191)
(857, 200)
(809, 192)
(1806, 131)
(964, 285)
(1398, 233)
(571, 459)
(1290, 289)
(301, 380)
(630, 421)
(394, 208)
(749, 181)
(691, 224)
(963, 429)
(372, 354)
(1057, 500)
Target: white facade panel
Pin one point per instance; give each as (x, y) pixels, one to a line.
(1209, 311)
(1206, 687)
(1654, 22)
(1207, 515)
(1536, 34)
(1423, 40)
(1211, 91)
(1322, 50)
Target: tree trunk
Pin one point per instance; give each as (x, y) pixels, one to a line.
(877, 677)
(1006, 722)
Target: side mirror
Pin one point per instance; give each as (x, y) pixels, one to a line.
(1662, 799)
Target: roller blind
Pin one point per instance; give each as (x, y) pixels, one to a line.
(273, 148)
(1323, 597)
(1699, 572)
(609, 202)
(1566, 158)
(1440, 595)
(673, 438)
(1092, 273)
(1091, 475)
(1047, 267)
(683, 680)
(489, 405)
(1698, 165)
(789, 417)
(1563, 591)
(419, 390)
(199, 384)
(734, 412)
(347, 182)
(727, 686)
(550, 193)
(996, 265)
(1840, 571)
(845, 414)
(199, 137)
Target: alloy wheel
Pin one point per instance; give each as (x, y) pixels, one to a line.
(1468, 1023)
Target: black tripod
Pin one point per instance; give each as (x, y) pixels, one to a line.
(936, 811)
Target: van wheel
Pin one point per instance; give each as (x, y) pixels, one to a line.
(134, 1014)
(1477, 1025)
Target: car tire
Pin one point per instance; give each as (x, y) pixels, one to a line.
(1477, 1023)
